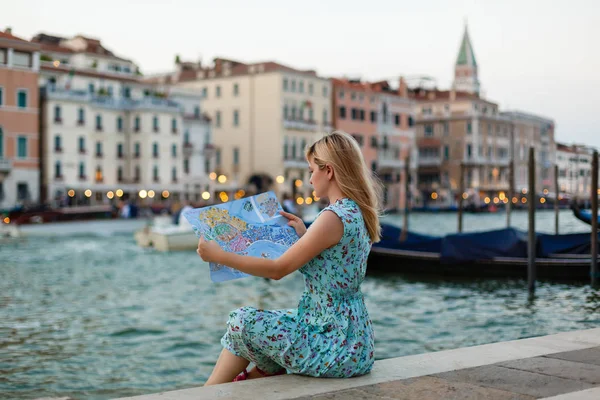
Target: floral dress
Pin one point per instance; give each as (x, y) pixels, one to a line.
(330, 333)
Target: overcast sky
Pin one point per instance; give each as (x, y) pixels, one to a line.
(532, 56)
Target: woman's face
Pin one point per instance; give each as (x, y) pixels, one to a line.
(318, 178)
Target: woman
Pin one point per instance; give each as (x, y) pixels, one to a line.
(330, 334)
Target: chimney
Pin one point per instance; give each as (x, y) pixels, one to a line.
(403, 88)
(8, 30)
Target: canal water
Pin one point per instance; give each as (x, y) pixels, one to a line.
(92, 316)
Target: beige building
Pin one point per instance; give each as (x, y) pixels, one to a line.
(264, 115)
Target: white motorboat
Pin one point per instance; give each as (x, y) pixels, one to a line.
(162, 235)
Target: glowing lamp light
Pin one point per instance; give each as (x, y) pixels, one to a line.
(465, 195)
(280, 179)
(165, 194)
(523, 200)
(71, 193)
(212, 176)
(119, 193)
(501, 196)
(515, 200)
(486, 200)
(110, 195)
(314, 193)
(542, 200)
(298, 183)
(308, 200)
(545, 191)
(505, 201)
(143, 194)
(524, 191)
(222, 179)
(496, 200)
(151, 194)
(300, 201)
(434, 195)
(206, 195)
(56, 63)
(6, 220)
(88, 193)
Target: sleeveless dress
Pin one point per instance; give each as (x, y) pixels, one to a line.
(330, 333)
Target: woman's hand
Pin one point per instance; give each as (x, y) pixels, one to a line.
(295, 222)
(209, 251)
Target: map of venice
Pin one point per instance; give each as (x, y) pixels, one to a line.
(251, 226)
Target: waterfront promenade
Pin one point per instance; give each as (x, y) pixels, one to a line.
(563, 366)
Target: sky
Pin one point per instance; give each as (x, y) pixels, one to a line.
(539, 57)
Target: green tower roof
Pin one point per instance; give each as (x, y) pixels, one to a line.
(466, 55)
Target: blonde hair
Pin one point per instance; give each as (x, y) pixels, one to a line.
(341, 151)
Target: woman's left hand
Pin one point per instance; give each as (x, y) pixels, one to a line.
(209, 250)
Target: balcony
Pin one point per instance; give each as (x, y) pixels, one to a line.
(300, 125)
(5, 165)
(156, 129)
(99, 129)
(58, 149)
(57, 120)
(295, 163)
(80, 122)
(209, 150)
(327, 127)
(430, 161)
(174, 131)
(58, 178)
(386, 159)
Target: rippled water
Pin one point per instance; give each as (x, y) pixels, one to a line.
(95, 317)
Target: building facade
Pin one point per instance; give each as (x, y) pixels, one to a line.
(106, 134)
(574, 170)
(264, 115)
(382, 122)
(19, 121)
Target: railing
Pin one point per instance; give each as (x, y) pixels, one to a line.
(5, 165)
(300, 125)
(106, 101)
(430, 161)
(294, 163)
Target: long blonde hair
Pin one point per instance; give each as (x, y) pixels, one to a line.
(352, 175)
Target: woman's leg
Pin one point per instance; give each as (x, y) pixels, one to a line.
(255, 373)
(228, 367)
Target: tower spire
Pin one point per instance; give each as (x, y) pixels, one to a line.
(465, 69)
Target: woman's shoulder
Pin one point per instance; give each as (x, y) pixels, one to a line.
(344, 207)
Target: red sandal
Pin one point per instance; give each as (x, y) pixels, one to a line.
(241, 377)
(263, 373)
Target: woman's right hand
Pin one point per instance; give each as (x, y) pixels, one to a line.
(295, 222)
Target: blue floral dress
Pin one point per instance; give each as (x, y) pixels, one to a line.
(330, 334)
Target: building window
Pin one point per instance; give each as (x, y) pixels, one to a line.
(218, 91)
(98, 122)
(127, 93)
(81, 116)
(469, 127)
(204, 93)
(196, 111)
(82, 170)
(22, 98)
(91, 88)
(325, 117)
(353, 96)
(3, 57)
(186, 166)
(285, 84)
(293, 149)
(373, 116)
(325, 91)
(218, 157)
(57, 144)
(362, 115)
(22, 147)
(174, 150)
(374, 142)
(81, 144)
(57, 170)
(120, 150)
(1, 94)
(310, 89)
(137, 150)
(57, 116)
(285, 148)
(428, 130)
(173, 125)
(236, 156)
(342, 112)
(301, 86)
(155, 150)
(218, 119)
(155, 173)
(21, 59)
(293, 85)
(137, 125)
(98, 149)
(374, 166)
(155, 126)
(359, 139)
(120, 174)
(469, 151)
(285, 112)
(446, 128)
(1, 142)
(446, 152)
(397, 119)
(311, 116)
(186, 137)
(119, 124)
(236, 118)
(411, 121)
(99, 177)
(174, 174)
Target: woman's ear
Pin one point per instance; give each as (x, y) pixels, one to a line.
(329, 170)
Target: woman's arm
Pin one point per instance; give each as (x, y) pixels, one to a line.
(325, 232)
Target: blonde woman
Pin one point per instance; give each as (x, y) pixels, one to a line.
(330, 333)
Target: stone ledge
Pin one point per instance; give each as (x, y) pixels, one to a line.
(389, 370)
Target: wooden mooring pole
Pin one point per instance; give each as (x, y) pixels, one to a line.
(556, 192)
(404, 234)
(531, 242)
(594, 238)
(511, 190)
(461, 191)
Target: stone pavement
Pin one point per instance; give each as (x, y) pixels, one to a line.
(564, 366)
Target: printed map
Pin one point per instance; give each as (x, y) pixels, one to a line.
(251, 226)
